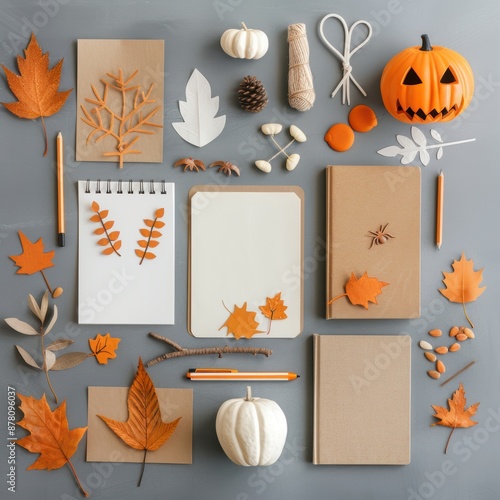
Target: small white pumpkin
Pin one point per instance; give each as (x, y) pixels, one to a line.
(244, 43)
(251, 431)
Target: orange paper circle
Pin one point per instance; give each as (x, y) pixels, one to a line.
(362, 118)
(340, 137)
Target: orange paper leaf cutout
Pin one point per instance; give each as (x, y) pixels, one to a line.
(110, 241)
(36, 86)
(33, 259)
(362, 291)
(274, 309)
(144, 429)
(104, 347)
(241, 323)
(151, 236)
(457, 415)
(50, 435)
(119, 125)
(462, 285)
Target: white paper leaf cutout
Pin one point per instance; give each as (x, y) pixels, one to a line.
(408, 157)
(418, 137)
(436, 135)
(425, 157)
(390, 151)
(200, 125)
(405, 141)
(439, 153)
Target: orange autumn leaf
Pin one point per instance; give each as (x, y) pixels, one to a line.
(457, 415)
(362, 291)
(33, 259)
(274, 309)
(462, 285)
(50, 435)
(36, 86)
(241, 323)
(144, 429)
(104, 347)
(151, 236)
(110, 241)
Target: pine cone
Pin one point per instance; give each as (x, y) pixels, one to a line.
(252, 95)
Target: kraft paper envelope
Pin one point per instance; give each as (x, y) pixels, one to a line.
(362, 398)
(362, 199)
(97, 58)
(103, 445)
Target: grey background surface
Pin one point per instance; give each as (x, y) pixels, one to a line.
(191, 31)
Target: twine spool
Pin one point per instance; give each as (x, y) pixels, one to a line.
(301, 94)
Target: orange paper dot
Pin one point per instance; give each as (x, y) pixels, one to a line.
(362, 118)
(340, 137)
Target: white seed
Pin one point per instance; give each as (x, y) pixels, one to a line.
(297, 134)
(425, 345)
(263, 165)
(271, 128)
(292, 161)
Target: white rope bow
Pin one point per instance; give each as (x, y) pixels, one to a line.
(346, 56)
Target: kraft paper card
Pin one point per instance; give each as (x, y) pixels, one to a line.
(127, 78)
(373, 227)
(245, 261)
(362, 399)
(103, 445)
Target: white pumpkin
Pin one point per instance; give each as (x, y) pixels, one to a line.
(251, 431)
(244, 43)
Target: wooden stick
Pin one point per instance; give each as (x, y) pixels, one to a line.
(220, 351)
(457, 374)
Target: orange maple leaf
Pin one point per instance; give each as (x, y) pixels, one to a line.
(241, 323)
(144, 429)
(274, 309)
(104, 347)
(36, 87)
(462, 285)
(50, 435)
(457, 415)
(361, 291)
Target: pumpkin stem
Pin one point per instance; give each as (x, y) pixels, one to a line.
(426, 44)
(244, 26)
(249, 394)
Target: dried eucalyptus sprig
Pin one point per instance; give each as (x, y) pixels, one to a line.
(50, 361)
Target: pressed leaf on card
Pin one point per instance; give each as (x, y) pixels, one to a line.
(361, 291)
(151, 234)
(274, 309)
(110, 238)
(36, 87)
(462, 285)
(34, 259)
(144, 429)
(457, 415)
(103, 347)
(50, 435)
(241, 323)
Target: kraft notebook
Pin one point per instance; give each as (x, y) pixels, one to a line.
(362, 202)
(362, 399)
(126, 247)
(245, 261)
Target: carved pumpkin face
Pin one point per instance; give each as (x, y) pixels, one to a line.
(427, 84)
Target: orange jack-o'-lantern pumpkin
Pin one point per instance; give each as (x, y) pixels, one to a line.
(427, 84)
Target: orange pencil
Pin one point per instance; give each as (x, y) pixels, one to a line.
(60, 191)
(439, 210)
(207, 374)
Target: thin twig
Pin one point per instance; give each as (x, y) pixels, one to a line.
(220, 351)
(457, 374)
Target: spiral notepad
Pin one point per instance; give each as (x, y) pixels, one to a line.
(126, 242)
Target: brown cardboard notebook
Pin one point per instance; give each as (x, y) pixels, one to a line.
(362, 399)
(363, 199)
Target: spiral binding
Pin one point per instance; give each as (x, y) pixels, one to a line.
(105, 186)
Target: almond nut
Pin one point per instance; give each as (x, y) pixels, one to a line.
(430, 356)
(425, 345)
(453, 331)
(440, 366)
(436, 333)
(461, 337)
(469, 333)
(454, 347)
(441, 349)
(433, 374)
